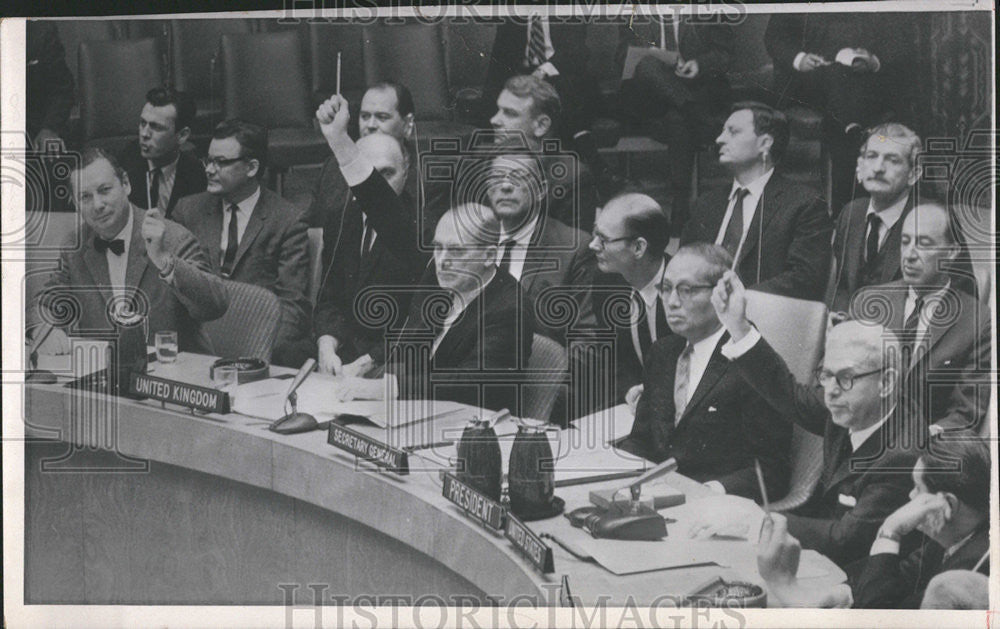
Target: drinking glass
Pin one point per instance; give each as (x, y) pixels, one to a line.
(166, 346)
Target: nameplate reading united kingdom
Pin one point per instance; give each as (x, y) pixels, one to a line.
(486, 511)
(182, 393)
(368, 448)
(529, 545)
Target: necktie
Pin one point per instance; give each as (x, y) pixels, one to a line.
(232, 243)
(153, 188)
(734, 231)
(505, 259)
(871, 248)
(367, 239)
(909, 336)
(117, 246)
(681, 378)
(645, 339)
(536, 42)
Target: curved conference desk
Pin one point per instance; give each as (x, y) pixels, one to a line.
(134, 502)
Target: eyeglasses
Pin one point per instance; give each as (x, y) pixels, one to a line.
(603, 242)
(220, 162)
(684, 291)
(845, 379)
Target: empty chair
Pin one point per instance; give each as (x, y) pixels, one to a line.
(72, 33)
(325, 40)
(114, 77)
(264, 81)
(250, 325)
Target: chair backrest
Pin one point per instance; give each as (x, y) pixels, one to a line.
(315, 261)
(977, 232)
(114, 78)
(412, 54)
(325, 40)
(194, 49)
(72, 33)
(250, 325)
(264, 79)
(796, 329)
(547, 363)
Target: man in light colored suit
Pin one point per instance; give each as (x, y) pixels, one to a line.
(251, 234)
(131, 259)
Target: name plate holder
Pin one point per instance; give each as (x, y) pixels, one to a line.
(368, 448)
(483, 510)
(529, 544)
(190, 396)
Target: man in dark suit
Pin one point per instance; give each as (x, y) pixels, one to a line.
(161, 172)
(128, 256)
(945, 332)
(864, 424)
(467, 316)
(251, 234)
(678, 102)
(357, 260)
(629, 240)
(950, 505)
(387, 108)
(852, 66)
(777, 230)
(695, 406)
(551, 260)
(866, 237)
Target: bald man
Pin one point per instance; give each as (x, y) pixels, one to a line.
(866, 470)
(628, 241)
(358, 257)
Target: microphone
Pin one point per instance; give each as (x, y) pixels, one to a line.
(296, 421)
(39, 376)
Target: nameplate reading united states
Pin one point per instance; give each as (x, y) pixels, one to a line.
(529, 545)
(368, 448)
(487, 511)
(189, 395)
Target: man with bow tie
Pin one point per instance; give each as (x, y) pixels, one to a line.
(129, 256)
(696, 407)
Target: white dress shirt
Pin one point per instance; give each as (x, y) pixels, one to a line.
(521, 238)
(701, 353)
(755, 189)
(931, 300)
(887, 218)
(649, 294)
(117, 265)
(242, 218)
(168, 175)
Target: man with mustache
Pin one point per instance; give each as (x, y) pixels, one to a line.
(866, 238)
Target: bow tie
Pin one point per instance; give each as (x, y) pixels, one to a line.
(117, 246)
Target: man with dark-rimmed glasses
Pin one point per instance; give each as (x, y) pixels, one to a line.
(869, 442)
(695, 406)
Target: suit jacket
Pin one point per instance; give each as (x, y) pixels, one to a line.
(711, 45)
(559, 264)
(889, 581)
(789, 235)
(724, 427)
(948, 383)
(195, 294)
(190, 178)
(273, 252)
(856, 491)
(848, 271)
(48, 80)
(493, 334)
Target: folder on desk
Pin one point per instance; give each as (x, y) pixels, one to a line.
(636, 54)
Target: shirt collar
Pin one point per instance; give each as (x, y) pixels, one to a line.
(858, 437)
(167, 169)
(523, 235)
(651, 290)
(126, 232)
(755, 187)
(247, 205)
(708, 343)
(911, 295)
(962, 542)
(891, 214)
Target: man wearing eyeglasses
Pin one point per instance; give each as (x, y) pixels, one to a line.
(868, 438)
(251, 234)
(695, 406)
(629, 238)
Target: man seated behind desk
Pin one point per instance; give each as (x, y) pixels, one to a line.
(251, 234)
(696, 407)
(865, 473)
(468, 316)
(131, 254)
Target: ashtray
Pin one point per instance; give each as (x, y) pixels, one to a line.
(721, 593)
(247, 369)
